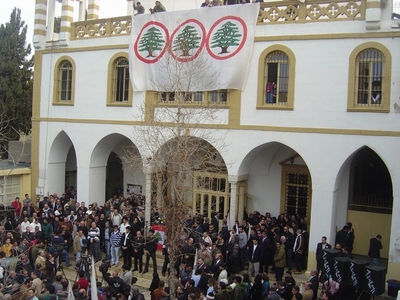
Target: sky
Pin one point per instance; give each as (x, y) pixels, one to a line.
(108, 8)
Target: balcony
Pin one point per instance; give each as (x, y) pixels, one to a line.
(270, 13)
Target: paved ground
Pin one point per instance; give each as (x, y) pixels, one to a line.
(144, 280)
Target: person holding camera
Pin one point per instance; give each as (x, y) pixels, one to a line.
(94, 241)
(79, 242)
(115, 282)
(59, 247)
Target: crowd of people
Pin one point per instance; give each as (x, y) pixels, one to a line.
(236, 263)
(212, 261)
(38, 236)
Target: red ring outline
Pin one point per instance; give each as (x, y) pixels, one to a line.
(203, 41)
(241, 44)
(135, 47)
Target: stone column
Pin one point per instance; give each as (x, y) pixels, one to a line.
(93, 10)
(241, 202)
(67, 17)
(39, 31)
(129, 7)
(233, 204)
(373, 14)
(323, 218)
(147, 207)
(82, 10)
(50, 20)
(160, 195)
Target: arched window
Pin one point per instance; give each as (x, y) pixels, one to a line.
(121, 81)
(64, 81)
(119, 88)
(276, 76)
(369, 78)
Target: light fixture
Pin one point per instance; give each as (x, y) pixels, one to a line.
(292, 158)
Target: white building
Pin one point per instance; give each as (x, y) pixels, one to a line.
(326, 148)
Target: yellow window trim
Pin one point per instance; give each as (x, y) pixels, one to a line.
(56, 87)
(261, 84)
(387, 71)
(111, 65)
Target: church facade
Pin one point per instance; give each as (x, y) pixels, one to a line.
(315, 131)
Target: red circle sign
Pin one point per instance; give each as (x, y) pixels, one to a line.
(150, 40)
(200, 48)
(239, 47)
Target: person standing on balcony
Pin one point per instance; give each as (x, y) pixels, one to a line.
(157, 8)
(139, 8)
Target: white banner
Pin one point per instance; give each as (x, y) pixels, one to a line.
(196, 50)
(93, 282)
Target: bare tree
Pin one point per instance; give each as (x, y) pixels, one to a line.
(182, 134)
(13, 158)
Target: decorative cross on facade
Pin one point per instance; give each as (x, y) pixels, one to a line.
(333, 10)
(352, 9)
(274, 14)
(315, 11)
(117, 27)
(102, 29)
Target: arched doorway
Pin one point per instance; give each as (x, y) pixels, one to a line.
(370, 200)
(108, 173)
(115, 176)
(61, 169)
(205, 185)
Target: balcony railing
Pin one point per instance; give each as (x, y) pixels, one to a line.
(102, 27)
(317, 10)
(270, 13)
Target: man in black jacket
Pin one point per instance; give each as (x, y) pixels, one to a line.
(375, 246)
(298, 249)
(314, 283)
(150, 250)
(116, 283)
(319, 253)
(255, 253)
(126, 246)
(138, 246)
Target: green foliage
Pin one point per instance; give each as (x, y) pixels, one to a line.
(227, 35)
(152, 40)
(187, 40)
(16, 76)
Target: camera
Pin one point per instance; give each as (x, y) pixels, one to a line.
(55, 249)
(84, 247)
(104, 266)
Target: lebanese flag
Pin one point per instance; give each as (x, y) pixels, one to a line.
(196, 50)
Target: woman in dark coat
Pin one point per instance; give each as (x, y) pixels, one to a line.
(256, 289)
(233, 262)
(50, 267)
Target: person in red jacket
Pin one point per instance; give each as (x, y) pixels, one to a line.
(17, 206)
(82, 281)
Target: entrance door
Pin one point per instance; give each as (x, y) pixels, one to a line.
(296, 190)
(210, 193)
